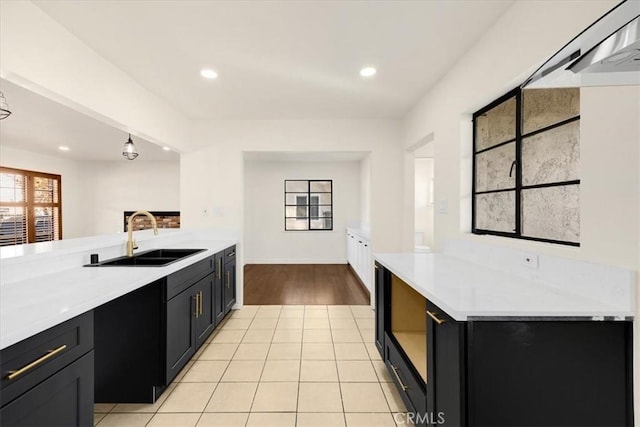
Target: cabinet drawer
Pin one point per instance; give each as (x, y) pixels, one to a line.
(230, 254)
(409, 386)
(64, 399)
(34, 359)
(182, 279)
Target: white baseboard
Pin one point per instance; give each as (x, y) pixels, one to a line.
(296, 261)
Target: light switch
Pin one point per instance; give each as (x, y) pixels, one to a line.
(443, 206)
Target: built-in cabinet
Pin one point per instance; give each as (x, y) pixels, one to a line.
(47, 379)
(359, 256)
(144, 338)
(502, 371)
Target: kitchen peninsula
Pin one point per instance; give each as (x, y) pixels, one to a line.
(470, 343)
(58, 315)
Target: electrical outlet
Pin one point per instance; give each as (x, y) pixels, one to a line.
(529, 260)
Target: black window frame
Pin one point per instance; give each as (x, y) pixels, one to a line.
(308, 205)
(518, 140)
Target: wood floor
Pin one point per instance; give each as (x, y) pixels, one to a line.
(302, 284)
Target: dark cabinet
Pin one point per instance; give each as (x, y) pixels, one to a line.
(532, 372)
(218, 288)
(204, 318)
(144, 338)
(48, 379)
(446, 362)
(229, 278)
(190, 321)
(381, 301)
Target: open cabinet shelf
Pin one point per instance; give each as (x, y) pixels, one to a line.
(409, 323)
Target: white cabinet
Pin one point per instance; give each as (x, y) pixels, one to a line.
(359, 256)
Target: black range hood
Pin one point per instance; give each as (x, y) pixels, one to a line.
(605, 54)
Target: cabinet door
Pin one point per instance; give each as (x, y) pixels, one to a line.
(180, 332)
(218, 288)
(63, 399)
(229, 285)
(204, 319)
(445, 368)
(381, 302)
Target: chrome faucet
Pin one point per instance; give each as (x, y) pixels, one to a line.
(131, 244)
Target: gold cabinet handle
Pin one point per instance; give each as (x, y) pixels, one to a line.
(395, 371)
(197, 297)
(201, 295)
(376, 267)
(219, 268)
(49, 355)
(228, 279)
(232, 254)
(435, 318)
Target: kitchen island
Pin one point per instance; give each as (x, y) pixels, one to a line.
(471, 345)
(67, 328)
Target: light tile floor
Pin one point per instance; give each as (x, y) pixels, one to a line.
(280, 366)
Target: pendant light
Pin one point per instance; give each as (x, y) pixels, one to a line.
(4, 107)
(129, 150)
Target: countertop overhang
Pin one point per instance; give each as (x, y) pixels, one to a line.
(468, 291)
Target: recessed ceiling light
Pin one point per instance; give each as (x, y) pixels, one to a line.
(208, 73)
(63, 148)
(368, 72)
(166, 148)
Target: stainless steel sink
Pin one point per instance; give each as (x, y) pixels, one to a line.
(151, 258)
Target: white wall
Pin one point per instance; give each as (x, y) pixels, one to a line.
(365, 193)
(265, 240)
(211, 183)
(43, 56)
(609, 140)
(95, 194)
(110, 188)
(71, 177)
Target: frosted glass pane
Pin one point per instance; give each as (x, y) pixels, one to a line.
(496, 125)
(321, 224)
(493, 167)
(552, 156)
(296, 186)
(320, 198)
(552, 213)
(544, 107)
(496, 211)
(321, 186)
(295, 199)
(297, 224)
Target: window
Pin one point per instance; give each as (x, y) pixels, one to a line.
(30, 207)
(526, 166)
(308, 205)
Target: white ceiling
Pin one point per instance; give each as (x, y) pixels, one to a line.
(281, 59)
(305, 156)
(40, 125)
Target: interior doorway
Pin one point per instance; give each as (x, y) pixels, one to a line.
(424, 166)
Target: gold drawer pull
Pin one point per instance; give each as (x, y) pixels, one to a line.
(228, 279)
(219, 268)
(49, 355)
(231, 254)
(201, 303)
(435, 318)
(395, 371)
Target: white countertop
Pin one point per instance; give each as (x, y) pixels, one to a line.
(35, 304)
(469, 291)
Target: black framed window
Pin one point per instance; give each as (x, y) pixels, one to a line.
(308, 204)
(526, 166)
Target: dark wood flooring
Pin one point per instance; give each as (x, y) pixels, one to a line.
(302, 284)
